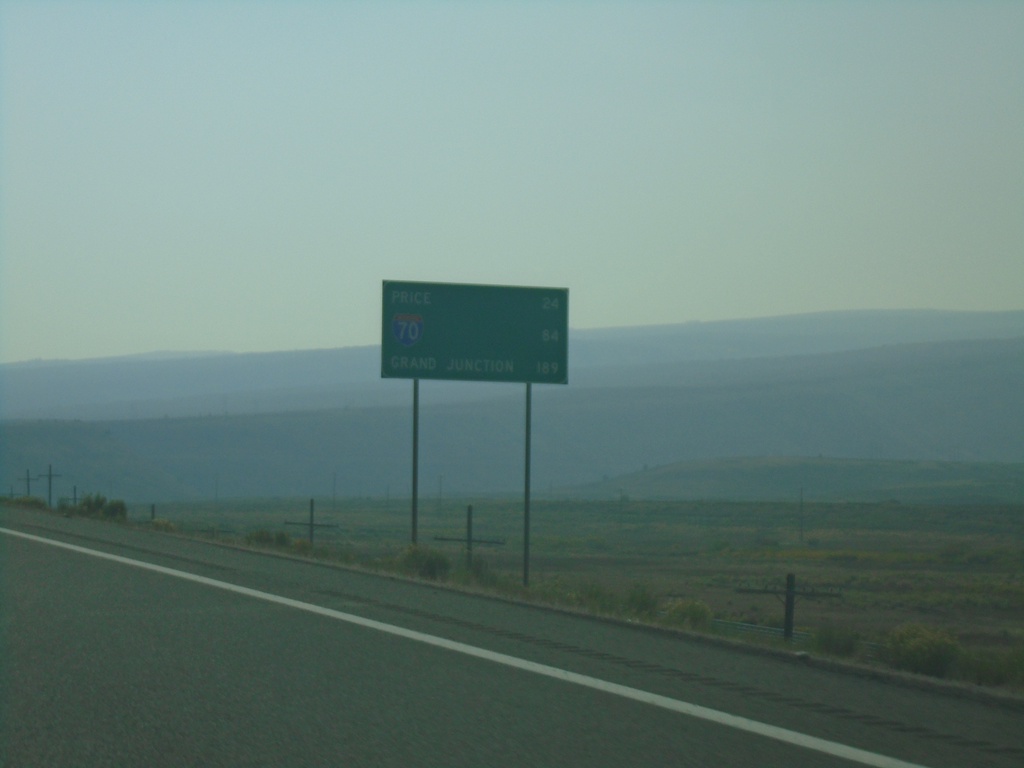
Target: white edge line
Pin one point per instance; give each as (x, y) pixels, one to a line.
(784, 735)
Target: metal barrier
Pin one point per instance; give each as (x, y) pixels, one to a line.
(739, 626)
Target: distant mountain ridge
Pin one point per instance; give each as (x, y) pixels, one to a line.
(818, 479)
(626, 412)
(788, 335)
(165, 384)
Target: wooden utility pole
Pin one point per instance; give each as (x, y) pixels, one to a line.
(526, 488)
(312, 524)
(49, 485)
(789, 595)
(787, 626)
(469, 540)
(801, 515)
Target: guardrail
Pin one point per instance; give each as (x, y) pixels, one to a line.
(868, 649)
(739, 626)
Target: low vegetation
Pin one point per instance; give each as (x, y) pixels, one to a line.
(26, 502)
(837, 640)
(922, 649)
(693, 614)
(930, 590)
(424, 562)
(98, 506)
(264, 538)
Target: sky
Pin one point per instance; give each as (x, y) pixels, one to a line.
(242, 176)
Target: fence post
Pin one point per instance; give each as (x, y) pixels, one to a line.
(787, 632)
(469, 538)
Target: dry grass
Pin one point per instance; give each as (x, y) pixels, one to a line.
(955, 571)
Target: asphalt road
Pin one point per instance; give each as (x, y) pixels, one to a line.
(181, 653)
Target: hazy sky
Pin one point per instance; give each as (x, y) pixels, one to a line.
(242, 175)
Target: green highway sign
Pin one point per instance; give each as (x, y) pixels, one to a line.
(474, 332)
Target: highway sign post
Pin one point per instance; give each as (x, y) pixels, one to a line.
(462, 332)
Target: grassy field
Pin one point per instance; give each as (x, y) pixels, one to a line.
(953, 574)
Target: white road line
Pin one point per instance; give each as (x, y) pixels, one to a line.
(692, 710)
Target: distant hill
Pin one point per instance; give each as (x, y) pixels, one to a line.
(819, 479)
(954, 402)
(786, 336)
(161, 385)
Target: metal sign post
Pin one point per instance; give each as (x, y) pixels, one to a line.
(461, 332)
(526, 490)
(415, 453)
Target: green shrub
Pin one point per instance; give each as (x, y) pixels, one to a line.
(921, 649)
(115, 510)
(302, 547)
(164, 526)
(478, 572)
(589, 596)
(836, 640)
(97, 505)
(424, 562)
(27, 502)
(260, 538)
(92, 505)
(993, 667)
(641, 602)
(690, 613)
